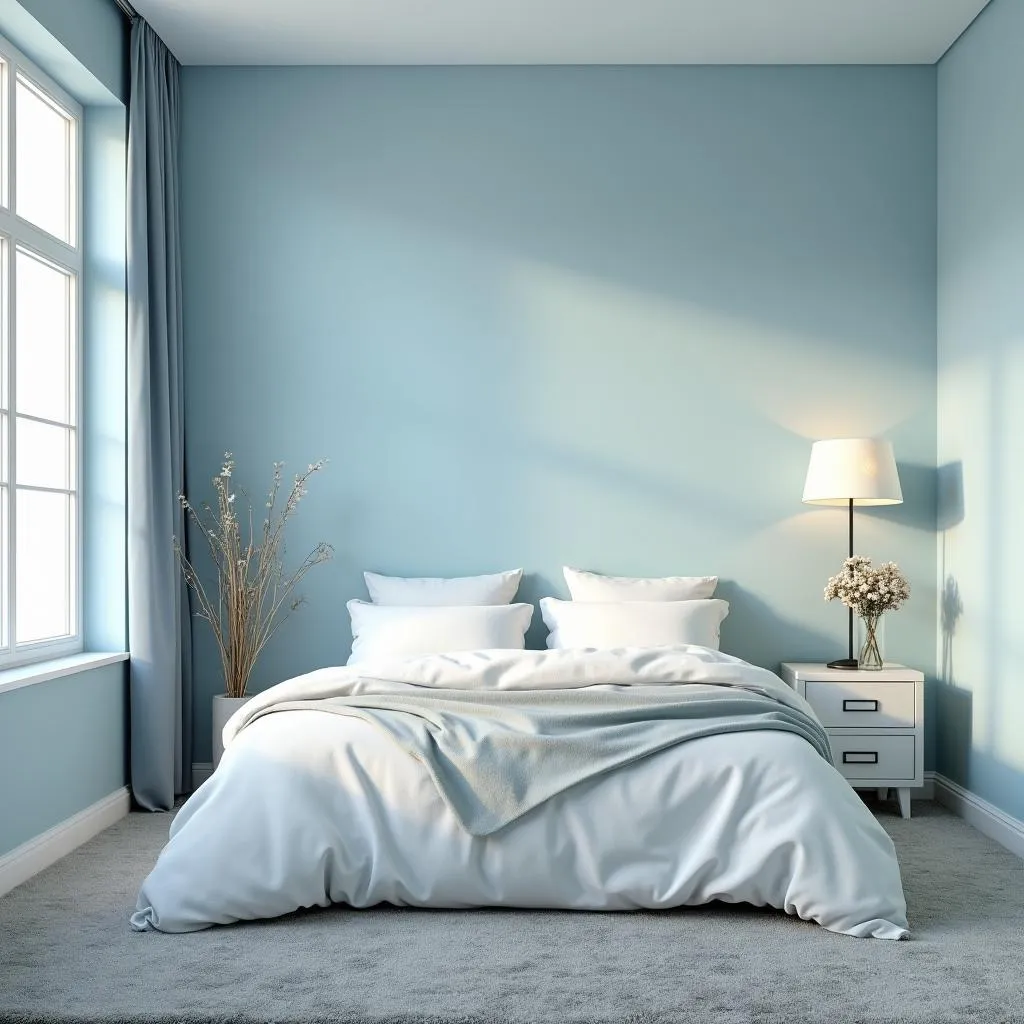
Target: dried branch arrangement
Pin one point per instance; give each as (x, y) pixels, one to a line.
(254, 593)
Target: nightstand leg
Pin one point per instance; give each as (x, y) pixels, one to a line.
(904, 797)
(883, 793)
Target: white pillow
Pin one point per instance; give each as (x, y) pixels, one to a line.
(591, 586)
(498, 588)
(605, 624)
(385, 632)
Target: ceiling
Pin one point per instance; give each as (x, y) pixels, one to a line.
(559, 31)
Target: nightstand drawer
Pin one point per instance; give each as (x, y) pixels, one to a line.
(868, 758)
(858, 704)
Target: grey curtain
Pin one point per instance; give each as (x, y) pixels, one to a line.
(158, 624)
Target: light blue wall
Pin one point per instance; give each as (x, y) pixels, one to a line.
(981, 416)
(67, 37)
(62, 748)
(582, 315)
(105, 436)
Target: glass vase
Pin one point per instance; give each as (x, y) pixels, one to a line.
(870, 657)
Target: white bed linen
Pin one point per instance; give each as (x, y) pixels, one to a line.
(592, 586)
(384, 632)
(309, 808)
(575, 624)
(427, 591)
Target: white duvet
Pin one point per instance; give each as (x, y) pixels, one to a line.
(311, 808)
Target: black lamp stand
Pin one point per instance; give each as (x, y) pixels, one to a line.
(851, 661)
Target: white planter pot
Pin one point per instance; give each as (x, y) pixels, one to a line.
(223, 708)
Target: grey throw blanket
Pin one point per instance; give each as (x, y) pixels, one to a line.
(495, 755)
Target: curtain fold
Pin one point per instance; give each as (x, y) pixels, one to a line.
(158, 623)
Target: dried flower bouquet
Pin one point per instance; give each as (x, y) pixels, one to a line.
(869, 591)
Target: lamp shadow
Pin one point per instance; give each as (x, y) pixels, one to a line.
(949, 495)
(919, 484)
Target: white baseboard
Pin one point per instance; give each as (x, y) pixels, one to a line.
(985, 817)
(201, 771)
(41, 851)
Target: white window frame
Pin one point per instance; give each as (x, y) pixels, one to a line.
(16, 233)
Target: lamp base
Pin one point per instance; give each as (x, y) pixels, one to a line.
(844, 663)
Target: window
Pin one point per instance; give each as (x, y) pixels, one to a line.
(40, 358)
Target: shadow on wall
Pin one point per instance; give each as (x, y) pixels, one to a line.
(955, 705)
(949, 514)
(533, 587)
(949, 494)
(919, 485)
(965, 758)
(951, 608)
(752, 630)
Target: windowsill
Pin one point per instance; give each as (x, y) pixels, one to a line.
(41, 671)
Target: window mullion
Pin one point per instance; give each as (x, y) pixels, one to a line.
(9, 98)
(78, 436)
(43, 489)
(5, 148)
(41, 244)
(12, 469)
(47, 422)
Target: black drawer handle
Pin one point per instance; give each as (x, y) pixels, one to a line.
(860, 757)
(860, 705)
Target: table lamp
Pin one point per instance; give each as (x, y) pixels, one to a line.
(852, 471)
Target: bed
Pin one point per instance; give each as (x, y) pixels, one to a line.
(601, 780)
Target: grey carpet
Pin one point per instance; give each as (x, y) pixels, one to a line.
(66, 953)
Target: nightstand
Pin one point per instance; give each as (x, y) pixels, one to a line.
(874, 720)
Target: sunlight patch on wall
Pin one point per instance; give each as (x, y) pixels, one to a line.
(813, 386)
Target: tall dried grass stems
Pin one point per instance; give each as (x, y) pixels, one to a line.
(254, 593)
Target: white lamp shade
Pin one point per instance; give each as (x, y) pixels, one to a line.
(862, 469)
